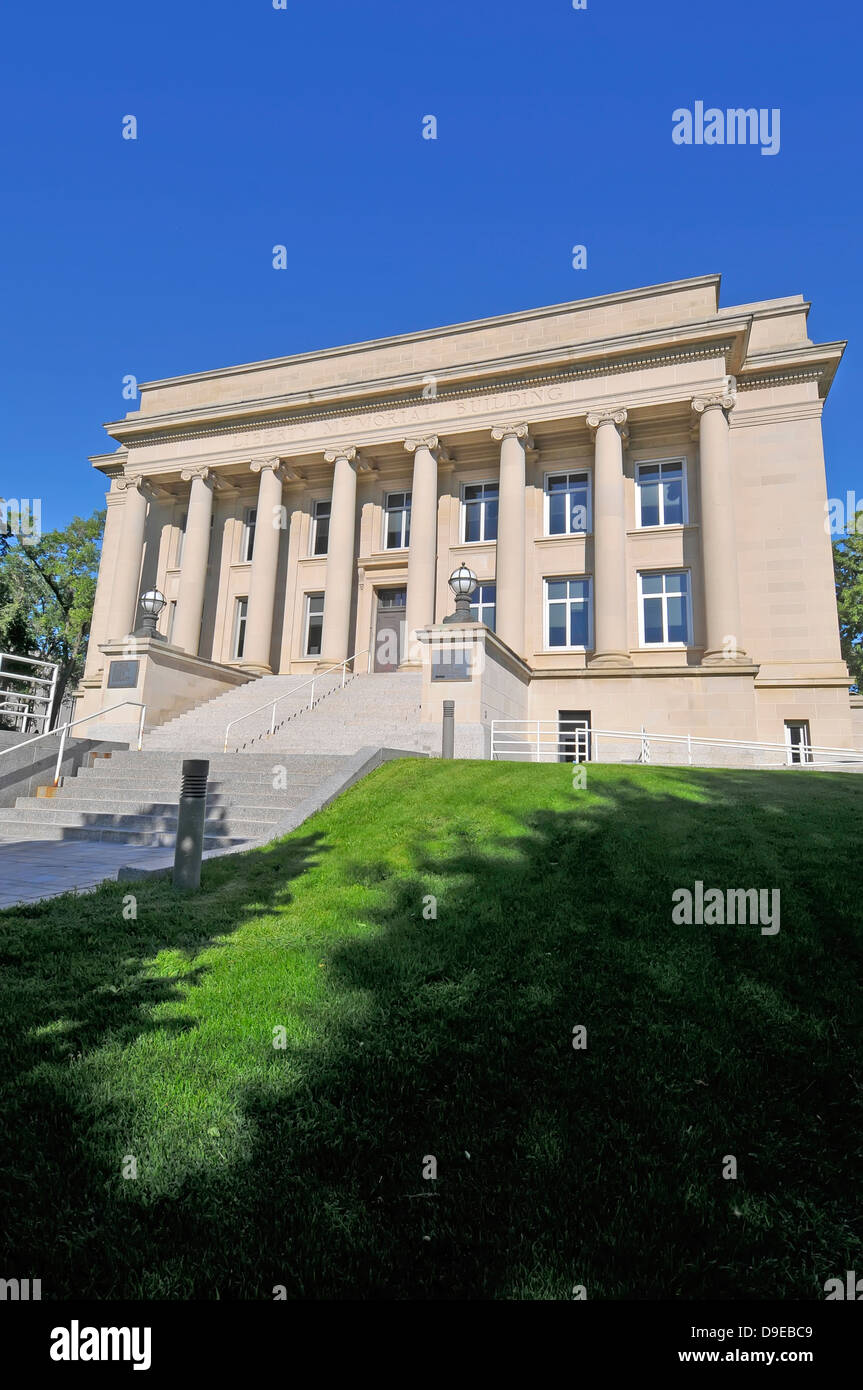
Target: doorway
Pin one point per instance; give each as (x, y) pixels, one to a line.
(573, 737)
(797, 741)
(390, 613)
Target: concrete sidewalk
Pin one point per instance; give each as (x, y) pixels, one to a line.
(34, 869)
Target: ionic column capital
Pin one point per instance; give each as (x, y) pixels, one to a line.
(206, 475)
(430, 442)
(132, 482)
(617, 417)
(349, 453)
(512, 431)
(720, 400)
(273, 465)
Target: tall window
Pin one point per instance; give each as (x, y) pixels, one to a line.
(397, 521)
(320, 528)
(567, 504)
(314, 624)
(661, 493)
(240, 616)
(482, 604)
(172, 613)
(479, 510)
(251, 518)
(567, 613)
(664, 610)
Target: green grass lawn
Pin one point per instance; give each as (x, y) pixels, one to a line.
(452, 1038)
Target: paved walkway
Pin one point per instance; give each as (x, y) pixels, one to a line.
(34, 869)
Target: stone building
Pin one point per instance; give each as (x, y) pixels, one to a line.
(636, 480)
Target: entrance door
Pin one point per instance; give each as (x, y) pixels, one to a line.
(797, 741)
(573, 739)
(390, 628)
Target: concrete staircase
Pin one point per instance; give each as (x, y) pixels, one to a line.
(131, 798)
(381, 711)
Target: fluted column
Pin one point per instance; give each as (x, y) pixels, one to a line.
(127, 575)
(718, 536)
(193, 571)
(514, 442)
(341, 563)
(611, 632)
(422, 555)
(265, 561)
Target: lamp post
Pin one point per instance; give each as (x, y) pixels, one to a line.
(152, 603)
(463, 582)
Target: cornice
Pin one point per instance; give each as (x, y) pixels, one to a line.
(783, 366)
(606, 357)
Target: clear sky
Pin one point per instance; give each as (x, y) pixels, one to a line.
(303, 126)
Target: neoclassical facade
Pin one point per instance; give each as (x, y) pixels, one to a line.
(637, 481)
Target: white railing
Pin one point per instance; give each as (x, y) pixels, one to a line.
(63, 731)
(36, 704)
(553, 740)
(288, 694)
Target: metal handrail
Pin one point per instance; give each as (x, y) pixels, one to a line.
(71, 724)
(340, 665)
(535, 736)
(36, 697)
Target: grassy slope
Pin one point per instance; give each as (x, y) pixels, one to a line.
(451, 1038)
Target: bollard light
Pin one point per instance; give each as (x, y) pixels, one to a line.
(448, 730)
(190, 824)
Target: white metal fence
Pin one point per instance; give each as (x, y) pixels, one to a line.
(27, 697)
(560, 740)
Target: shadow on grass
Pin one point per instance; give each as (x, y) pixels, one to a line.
(451, 1039)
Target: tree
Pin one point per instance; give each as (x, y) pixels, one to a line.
(47, 588)
(848, 568)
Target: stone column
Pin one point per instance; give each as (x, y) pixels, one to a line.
(123, 610)
(718, 538)
(340, 557)
(265, 560)
(611, 633)
(422, 555)
(196, 549)
(514, 443)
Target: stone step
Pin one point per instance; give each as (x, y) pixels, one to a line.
(97, 820)
(158, 839)
(146, 806)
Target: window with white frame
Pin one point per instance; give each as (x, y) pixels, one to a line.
(320, 527)
(661, 492)
(241, 613)
(249, 521)
(479, 512)
(567, 503)
(314, 624)
(568, 620)
(664, 609)
(483, 604)
(397, 521)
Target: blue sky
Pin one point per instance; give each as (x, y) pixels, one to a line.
(303, 126)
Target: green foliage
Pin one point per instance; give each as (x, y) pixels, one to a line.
(848, 568)
(47, 591)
